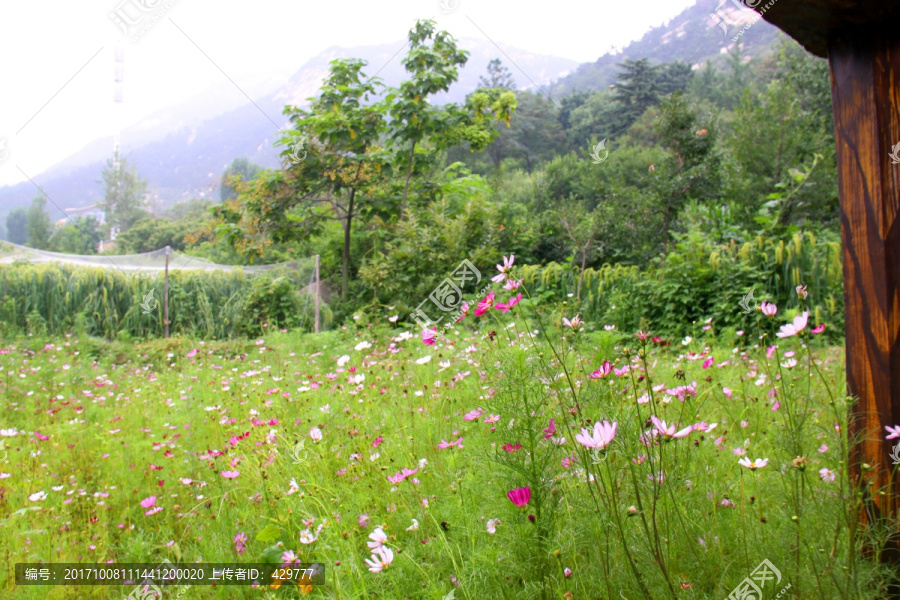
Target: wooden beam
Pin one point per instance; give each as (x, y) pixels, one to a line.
(865, 87)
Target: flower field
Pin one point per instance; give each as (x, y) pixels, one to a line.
(518, 454)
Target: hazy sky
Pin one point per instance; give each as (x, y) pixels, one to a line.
(57, 58)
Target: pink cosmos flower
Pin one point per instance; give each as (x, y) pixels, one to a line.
(519, 496)
(377, 441)
(826, 475)
(796, 327)
(240, 542)
(363, 520)
(463, 312)
(768, 309)
(727, 392)
(474, 414)
(192, 353)
(378, 537)
(429, 336)
(380, 560)
(485, 305)
(512, 284)
(230, 474)
(666, 430)
(445, 444)
(512, 447)
(708, 362)
(819, 329)
(604, 370)
(602, 436)
(575, 323)
(492, 418)
(504, 269)
(148, 501)
(551, 429)
(893, 432)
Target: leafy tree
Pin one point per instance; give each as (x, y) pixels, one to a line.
(124, 194)
(432, 69)
(39, 226)
(534, 134)
(150, 234)
(342, 130)
(691, 170)
(17, 226)
(239, 167)
(80, 236)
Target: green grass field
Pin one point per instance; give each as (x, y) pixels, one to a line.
(299, 447)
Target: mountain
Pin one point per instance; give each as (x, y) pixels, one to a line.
(182, 150)
(703, 32)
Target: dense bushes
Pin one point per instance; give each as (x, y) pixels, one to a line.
(700, 280)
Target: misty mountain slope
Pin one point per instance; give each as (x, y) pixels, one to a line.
(692, 36)
(185, 157)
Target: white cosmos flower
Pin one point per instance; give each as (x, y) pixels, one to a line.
(492, 525)
(423, 360)
(362, 346)
(343, 360)
(38, 496)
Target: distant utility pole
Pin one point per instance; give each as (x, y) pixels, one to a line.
(316, 326)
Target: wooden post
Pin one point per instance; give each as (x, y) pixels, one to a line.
(166, 297)
(865, 89)
(316, 330)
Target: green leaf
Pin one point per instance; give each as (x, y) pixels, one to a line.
(269, 533)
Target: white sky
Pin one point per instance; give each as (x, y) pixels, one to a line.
(55, 98)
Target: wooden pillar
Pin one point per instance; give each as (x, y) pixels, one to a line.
(865, 85)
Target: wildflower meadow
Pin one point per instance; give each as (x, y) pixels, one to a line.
(519, 452)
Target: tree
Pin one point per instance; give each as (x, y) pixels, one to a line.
(17, 226)
(39, 225)
(123, 195)
(80, 236)
(498, 77)
(636, 89)
(691, 171)
(431, 69)
(340, 132)
(239, 167)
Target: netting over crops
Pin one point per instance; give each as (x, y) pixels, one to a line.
(147, 261)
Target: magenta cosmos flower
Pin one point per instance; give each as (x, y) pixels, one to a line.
(429, 336)
(601, 437)
(504, 308)
(519, 496)
(485, 305)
